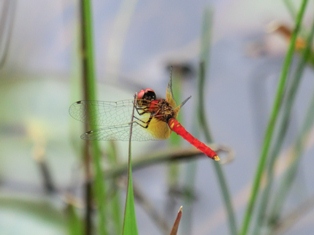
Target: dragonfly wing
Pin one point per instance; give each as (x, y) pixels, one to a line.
(113, 121)
(119, 132)
(169, 94)
(104, 113)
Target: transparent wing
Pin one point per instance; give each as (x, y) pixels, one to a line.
(106, 113)
(113, 120)
(121, 132)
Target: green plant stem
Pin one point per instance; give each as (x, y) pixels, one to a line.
(91, 148)
(129, 223)
(73, 221)
(272, 122)
(115, 204)
(298, 149)
(290, 8)
(294, 216)
(205, 49)
(220, 175)
(290, 173)
(283, 127)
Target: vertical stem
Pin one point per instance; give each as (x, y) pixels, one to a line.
(288, 178)
(205, 49)
(272, 122)
(87, 157)
(91, 148)
(220, 175)
(88, 188)
(129, 223)
(6, 26)
(283, 127)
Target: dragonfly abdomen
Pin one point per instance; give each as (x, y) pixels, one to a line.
(180, 130)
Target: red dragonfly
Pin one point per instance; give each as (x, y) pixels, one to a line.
(153, 119)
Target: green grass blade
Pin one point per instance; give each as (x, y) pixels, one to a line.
(115, 201)
(272, 122)
(129, 223)
(218, 169)
(74, 221)
(283, 127)
(291, 8)
(288, 179)
(89, 86)
(289, 175)
(205, 48)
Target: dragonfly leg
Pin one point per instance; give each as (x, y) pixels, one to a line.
(142, 123)
(141, 110)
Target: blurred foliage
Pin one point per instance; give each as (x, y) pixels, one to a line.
(42, 177)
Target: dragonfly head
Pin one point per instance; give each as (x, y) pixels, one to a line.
(146, 94)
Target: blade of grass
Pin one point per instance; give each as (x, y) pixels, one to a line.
(180, 73)
(189, 199)
(294, 216)
(74, 222)
(290, 8)
(220, 175)
(91, 148)
(272, 122)
(7, 16)
(205, 48)
(115, 204)
(129, 223)
(117, 38)
(175, 227)
(289, 175)
(283, 127)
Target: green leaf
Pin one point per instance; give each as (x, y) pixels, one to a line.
(272, 124)
(205, 47)
(130, 225)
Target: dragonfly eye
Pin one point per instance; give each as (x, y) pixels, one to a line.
(147, 94)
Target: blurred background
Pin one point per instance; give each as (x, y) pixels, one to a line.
(135, 42)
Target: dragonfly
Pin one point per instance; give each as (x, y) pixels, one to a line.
(153, 119)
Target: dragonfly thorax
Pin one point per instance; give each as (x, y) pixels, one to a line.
(162, 110)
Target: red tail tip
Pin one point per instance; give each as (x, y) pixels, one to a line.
(216, 158)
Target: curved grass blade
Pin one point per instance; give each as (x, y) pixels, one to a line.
(115, 204)
(202, 120)
(91, 149)
(129, 223)
(75, 224)
(289, 175)
(292, 90)
(175, 227)
(7, 15)
(271, 124)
